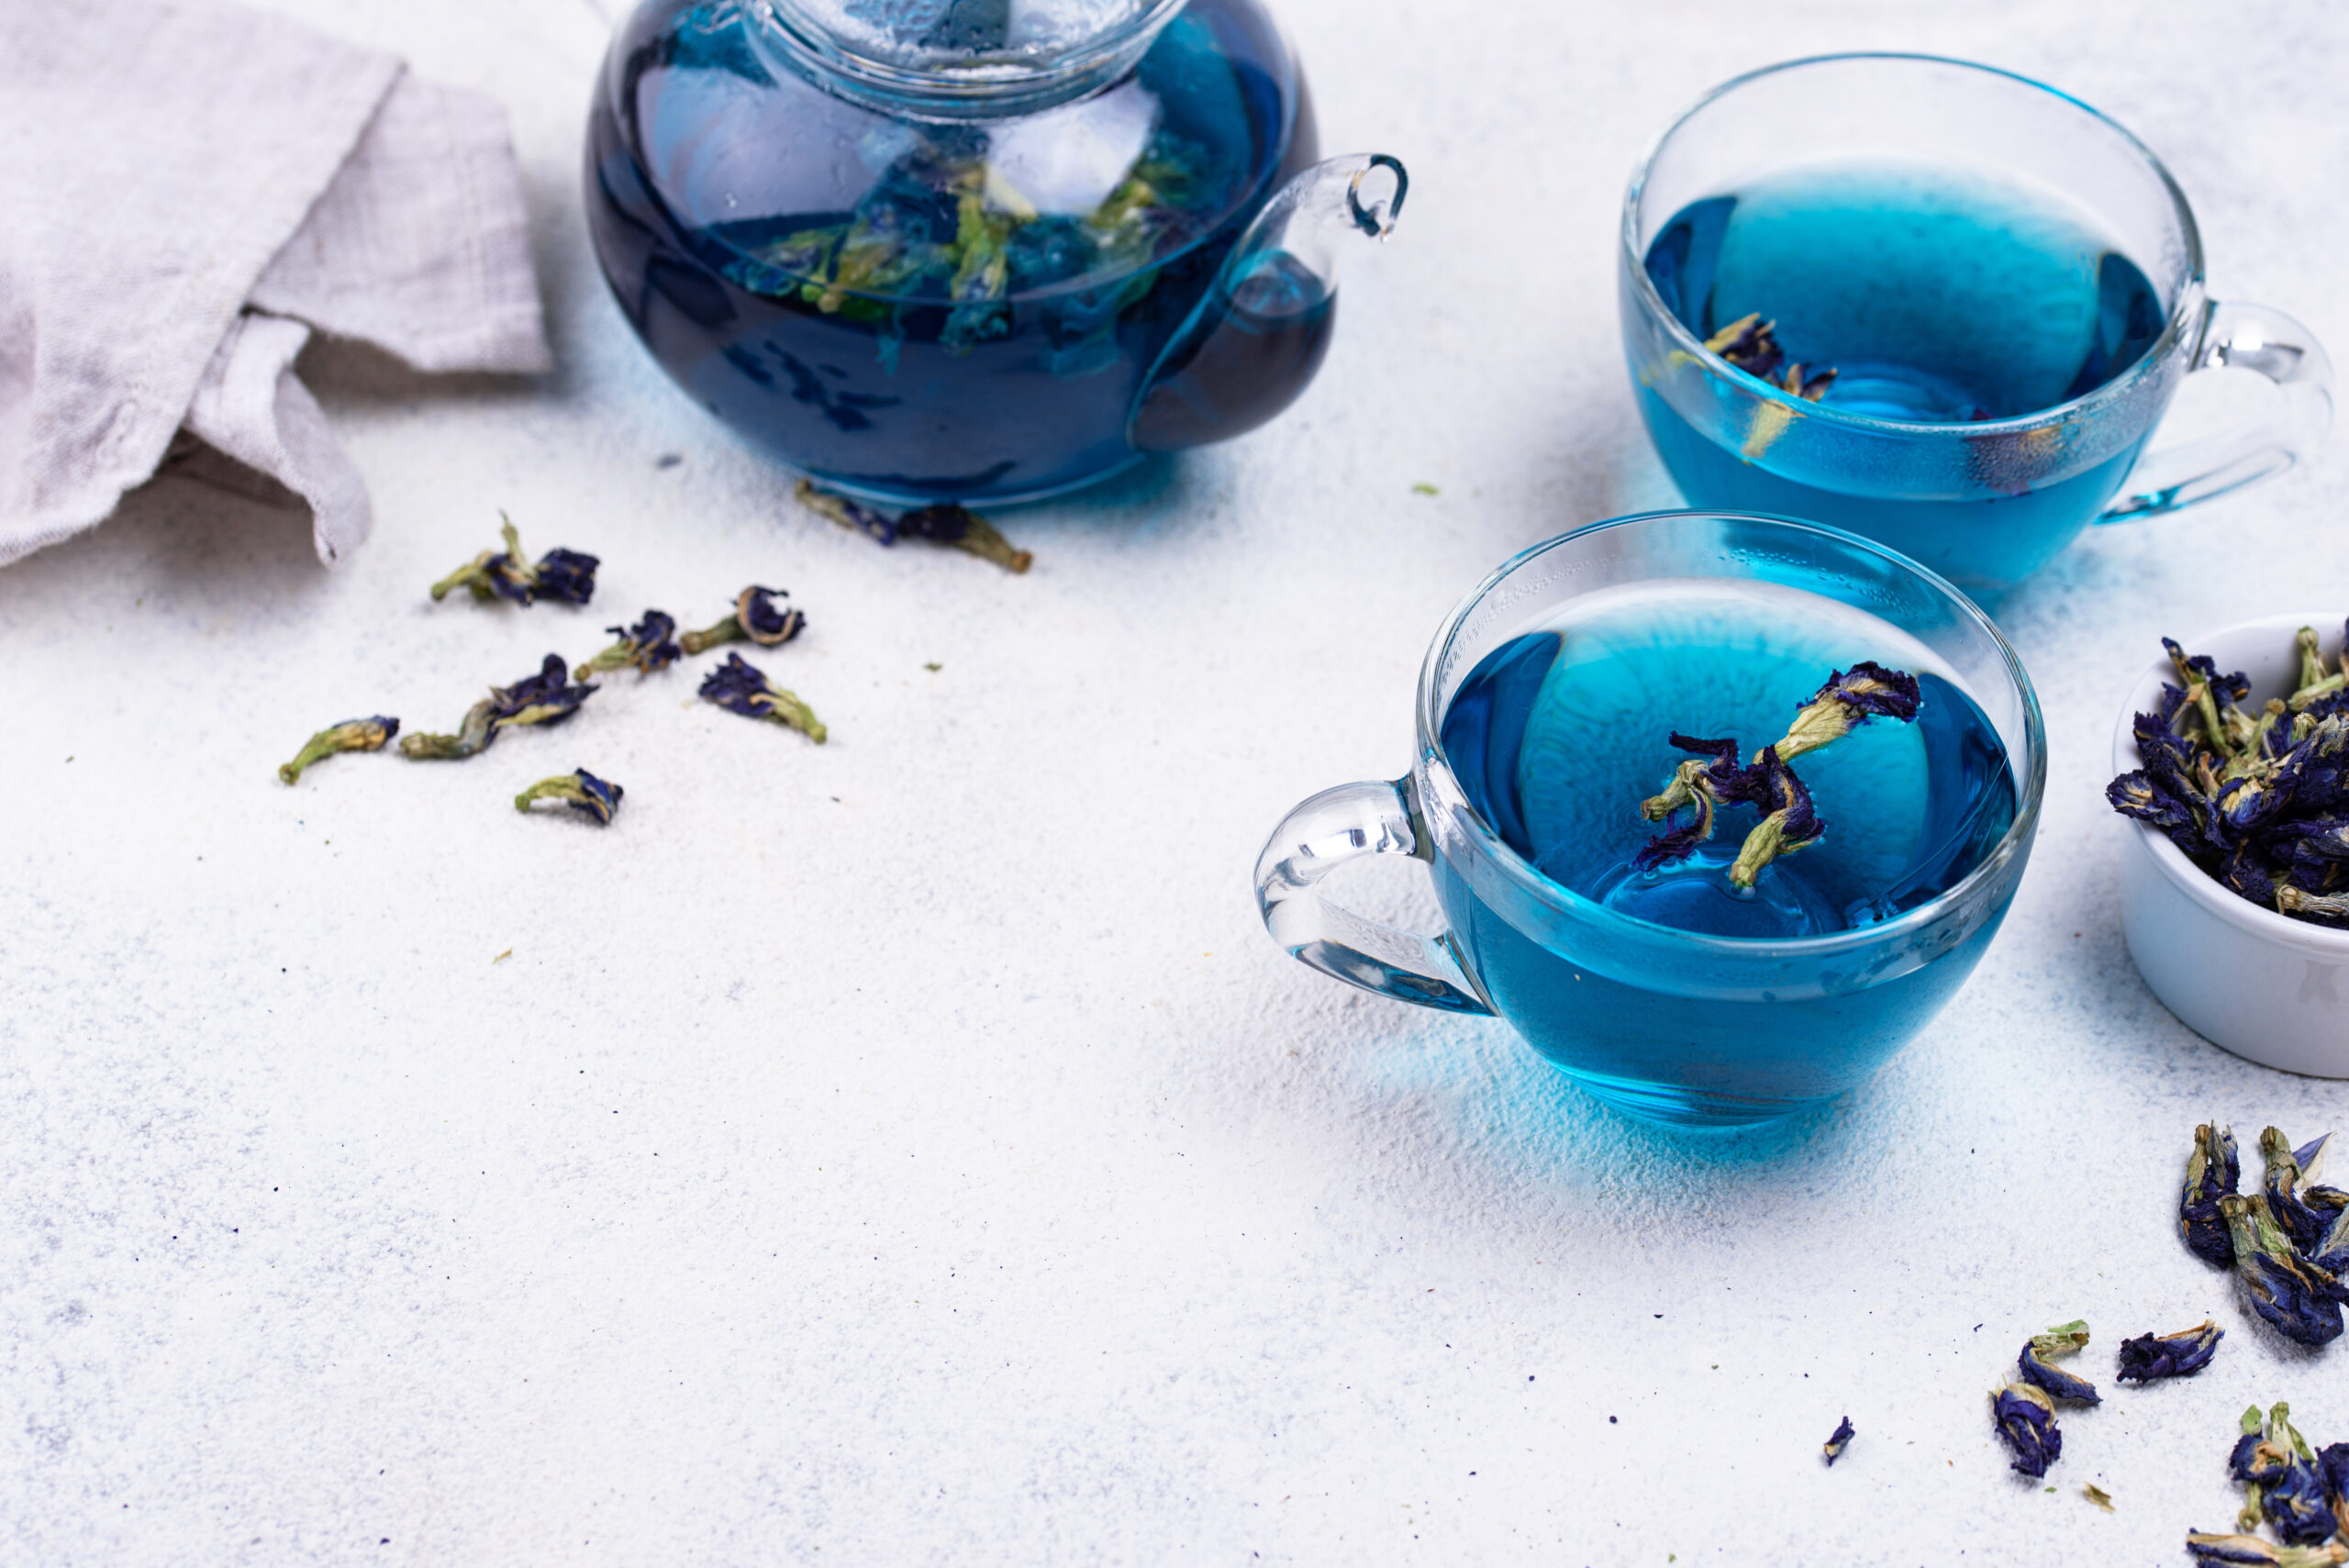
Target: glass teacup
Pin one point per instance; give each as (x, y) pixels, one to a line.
(2009, 284)
(1667, 1023)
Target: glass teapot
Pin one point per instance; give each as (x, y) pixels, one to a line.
(978, 250)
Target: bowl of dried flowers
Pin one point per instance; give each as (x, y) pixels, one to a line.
(2232, 757)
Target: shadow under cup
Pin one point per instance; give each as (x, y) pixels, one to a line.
(1672, 1026)
(1985, 502)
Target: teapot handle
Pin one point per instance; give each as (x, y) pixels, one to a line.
(1256, 337)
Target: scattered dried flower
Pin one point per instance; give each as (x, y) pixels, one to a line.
(566, 576)
(2098, 1495)
(2026, 1418)
(580, 790)
(1841, 1438)
(2037, 1369)
(756, 618)
(2231, 1549)
(744, 689)
(646, 645)
(350, 734)
(2149, 1358)
(546, 697)
(2297, 1299)
(2212, 1171)
(945, 523)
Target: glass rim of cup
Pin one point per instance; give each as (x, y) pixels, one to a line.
(2186, 314)
(2032, 782)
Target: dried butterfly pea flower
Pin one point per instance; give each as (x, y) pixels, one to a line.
(1811, 389)
(2098, 1495)
(1700, 786)
(2333, 1471)
(1791, 824)
(1751, 344)
(2327, 908)
(350, 734)
(471, 738)
(646, 645)
(2316, 684)
(2231, 1550)
(945, 524)
(756, 618)
(566, 576)
(2297, 1299)
(2026, 1418)
(744, 689)
(546, 697)
(2212, 1171)
(1841, 1440)
(2035, 1363)
(2150, 1357)
(580, 790)
(1849, 699)
(2283, 1184)
(965, 531)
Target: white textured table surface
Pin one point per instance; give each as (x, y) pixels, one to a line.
(912, 1149)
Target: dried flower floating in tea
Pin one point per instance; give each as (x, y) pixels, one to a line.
(743, 688)
(2036, 1369)
(566, 576)
(546, 697)
(350, 734)
(1848, 699)
(1842, 1440)
(2212, 1172)
(2149, 1358)
(756, 618)
(2026, 1418)
(945, 524)
(2259, 801)
(646, 645)
(580, 790)
(1751, 345)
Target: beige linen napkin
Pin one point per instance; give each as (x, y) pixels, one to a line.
(192, 189)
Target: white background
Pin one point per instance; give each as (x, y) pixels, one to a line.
(911, 1150)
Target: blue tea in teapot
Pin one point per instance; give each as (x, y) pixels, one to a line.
(972, 250)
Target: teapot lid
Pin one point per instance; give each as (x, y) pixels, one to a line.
(975, 49)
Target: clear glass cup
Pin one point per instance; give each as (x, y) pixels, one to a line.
(1676, 1026)
(1985, 503)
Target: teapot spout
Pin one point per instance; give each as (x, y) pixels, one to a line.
(1254, 341)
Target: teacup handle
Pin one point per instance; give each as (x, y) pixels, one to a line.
(2239, 336)
(1340, 825)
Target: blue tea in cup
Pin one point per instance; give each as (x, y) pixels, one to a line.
(1546, 709)
(1936, 304)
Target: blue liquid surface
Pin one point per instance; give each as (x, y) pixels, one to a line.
(1558, 735)
(1942, 296)
(712, 162)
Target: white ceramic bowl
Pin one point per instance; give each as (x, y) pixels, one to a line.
(2266, 987)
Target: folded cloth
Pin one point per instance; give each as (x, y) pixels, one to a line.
(192, 188)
